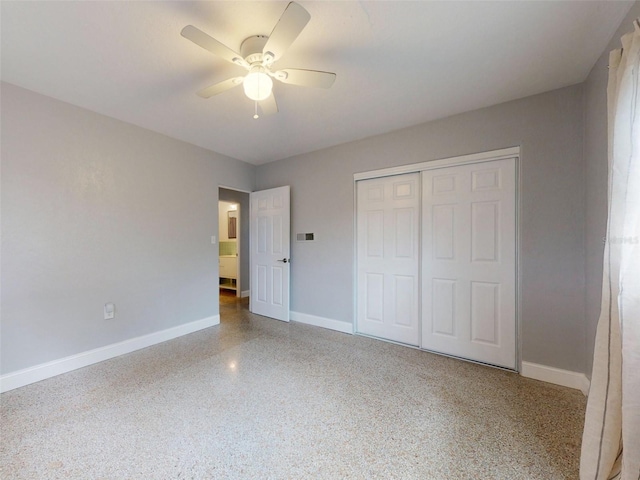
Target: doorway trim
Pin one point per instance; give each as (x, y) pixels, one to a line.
(480, 157)
(440, 163)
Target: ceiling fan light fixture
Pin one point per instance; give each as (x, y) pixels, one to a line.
(257, 54)
(257, 84)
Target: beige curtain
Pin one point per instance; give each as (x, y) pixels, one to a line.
(611, 438)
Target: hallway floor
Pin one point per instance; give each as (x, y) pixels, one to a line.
(258, 398)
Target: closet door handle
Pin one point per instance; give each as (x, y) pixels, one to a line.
(285, 260)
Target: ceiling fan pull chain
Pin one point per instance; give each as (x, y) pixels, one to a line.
(255, 112)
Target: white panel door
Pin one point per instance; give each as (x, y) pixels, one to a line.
(270, 248)
(468, 262)
(388, 227)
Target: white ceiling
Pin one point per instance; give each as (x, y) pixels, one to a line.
(397, 63)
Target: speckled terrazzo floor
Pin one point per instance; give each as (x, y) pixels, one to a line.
(256, 398)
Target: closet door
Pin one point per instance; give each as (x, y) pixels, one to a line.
(468, 262)
(387, 232)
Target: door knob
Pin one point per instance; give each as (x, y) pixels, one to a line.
(285, 260)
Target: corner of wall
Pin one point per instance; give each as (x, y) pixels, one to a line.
(585, 350)
(557, 376)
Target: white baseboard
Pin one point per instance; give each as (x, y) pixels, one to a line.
(43, 371)
(245, 293)
(557, 376)
(323, 322)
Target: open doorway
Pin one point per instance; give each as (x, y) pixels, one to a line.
(229, 253)
(233, 244)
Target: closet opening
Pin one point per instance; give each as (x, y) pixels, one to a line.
(437, 256)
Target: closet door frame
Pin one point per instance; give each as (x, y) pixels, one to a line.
(481, 157)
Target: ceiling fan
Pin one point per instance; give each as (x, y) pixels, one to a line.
(257, 54)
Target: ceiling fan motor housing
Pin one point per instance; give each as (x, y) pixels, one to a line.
(251, 48)
(258, 59)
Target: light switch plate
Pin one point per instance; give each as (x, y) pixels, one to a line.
(305, 237)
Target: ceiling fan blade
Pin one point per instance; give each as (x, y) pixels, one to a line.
(269, 105)
(203, 40)
(291, 23)
(306, 78)
(220, 87)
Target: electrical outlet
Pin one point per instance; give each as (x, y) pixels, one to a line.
(109, 311)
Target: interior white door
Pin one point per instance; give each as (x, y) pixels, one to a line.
(388, 216)
(270, 250)
(469, 263)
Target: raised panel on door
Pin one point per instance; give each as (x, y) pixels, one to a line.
(443, 217)
(404, 295)
(374, 234)
(443, 306)
(468, 262)
(485, 313)
(374, 297)
(388, 227)
(485, 231)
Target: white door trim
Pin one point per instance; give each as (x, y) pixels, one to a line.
(440, 163)
(510, 152)
(232, 188)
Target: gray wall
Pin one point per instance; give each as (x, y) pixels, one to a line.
(596, 163)
(95, 210)
(549, 129)
(241, 198)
